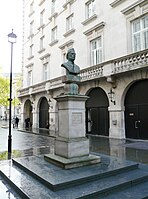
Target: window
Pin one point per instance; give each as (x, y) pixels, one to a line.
(69, 23)
(31, 51)
(90, 8)
(31, 7)
(96, 51)
(42, 18)
(29, 79)
(42, 43)
(53, 7)
(140, 34)
(31, 28)
(45, 71)
(64, 48)
(54, 34)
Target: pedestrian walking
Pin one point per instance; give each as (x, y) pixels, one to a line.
(16, 122)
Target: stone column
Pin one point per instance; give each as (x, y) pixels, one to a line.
(117, 124)
(22, 125)
(35, 119)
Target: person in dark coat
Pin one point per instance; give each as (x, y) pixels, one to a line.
(16, 122)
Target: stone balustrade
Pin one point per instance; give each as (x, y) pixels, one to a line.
(91, 73)
(112, 67)
(130, 62)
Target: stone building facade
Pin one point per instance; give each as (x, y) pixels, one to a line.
(111, 43)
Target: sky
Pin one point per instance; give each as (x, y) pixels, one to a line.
(10, 18)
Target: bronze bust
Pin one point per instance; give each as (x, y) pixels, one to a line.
(72, 70)
(70, 66)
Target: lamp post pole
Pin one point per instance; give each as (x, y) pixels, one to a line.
(12, 39)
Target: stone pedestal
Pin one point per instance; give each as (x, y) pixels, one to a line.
(71, 145)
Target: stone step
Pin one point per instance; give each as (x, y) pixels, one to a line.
(139, 191)
(28, 187)
(57, 178)
(6, 191)
(23, 184)
(33, 177)
(99, 188)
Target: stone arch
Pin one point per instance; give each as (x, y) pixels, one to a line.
(97, 116)
(28, 111)
(43, 107)
(136, 110)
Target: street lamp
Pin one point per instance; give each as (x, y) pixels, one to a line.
(111, 95)
(12, 39)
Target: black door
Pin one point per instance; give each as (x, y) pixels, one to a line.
(99, 121)
(143, 118)
(43, 113)
(136, 110)
(132, 122)
(137, 121)
(97, 116)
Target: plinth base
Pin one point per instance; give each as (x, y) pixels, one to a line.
(68, 163)
(71, 147)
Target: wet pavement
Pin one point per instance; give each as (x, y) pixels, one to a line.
(128, 149)
(24, 143)
(36, 142)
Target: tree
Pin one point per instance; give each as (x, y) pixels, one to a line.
(4, 91)
(16, 84)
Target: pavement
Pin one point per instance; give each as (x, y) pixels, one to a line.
(39, 141)
(29, 147)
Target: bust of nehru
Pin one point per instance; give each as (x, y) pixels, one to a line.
(70, 66)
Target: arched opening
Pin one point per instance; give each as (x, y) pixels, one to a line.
(28, 116)
(97, 116)
(136, 110)
(43, 113)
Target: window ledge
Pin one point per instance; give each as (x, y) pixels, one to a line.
(45, 56)
(132, 6)
(70, 42)
(30, 36)
(41, 2)
(97, 27)
(89, 20)
(41, 27)
(31, 57)
(40, 51)
(29, 66)
(53, 42)
(69, 32)
(116, 3)
(54, 15)
(68, 2)
(31, 13)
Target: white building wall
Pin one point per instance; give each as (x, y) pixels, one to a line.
(115, 15)
(114, 34)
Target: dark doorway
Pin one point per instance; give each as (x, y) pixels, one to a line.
(43, 113)
(97, 116)
(28, 113)
(136, 111)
